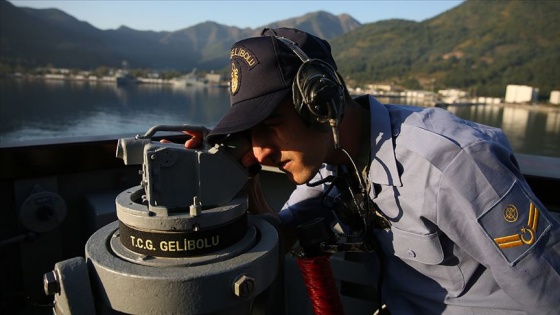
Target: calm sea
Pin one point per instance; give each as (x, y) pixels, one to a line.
(51, 111)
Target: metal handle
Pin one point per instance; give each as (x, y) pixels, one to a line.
(152, 131)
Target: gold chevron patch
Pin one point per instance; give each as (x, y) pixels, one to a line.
(527, 233)
(516, 223)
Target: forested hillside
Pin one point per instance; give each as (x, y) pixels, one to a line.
(480, 45)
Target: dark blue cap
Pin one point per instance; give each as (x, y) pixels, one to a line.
(262, 72)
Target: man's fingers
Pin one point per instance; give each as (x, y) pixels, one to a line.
(194, 142)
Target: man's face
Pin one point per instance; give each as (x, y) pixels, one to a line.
(283, 140)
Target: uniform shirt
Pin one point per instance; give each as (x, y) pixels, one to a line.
(468, 236)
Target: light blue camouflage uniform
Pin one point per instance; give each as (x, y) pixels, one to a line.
(468, 236)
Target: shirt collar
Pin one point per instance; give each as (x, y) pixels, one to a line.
(383, 169)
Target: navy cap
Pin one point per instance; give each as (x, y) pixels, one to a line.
(262, 72)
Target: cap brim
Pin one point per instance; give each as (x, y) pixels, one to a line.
(247, 114)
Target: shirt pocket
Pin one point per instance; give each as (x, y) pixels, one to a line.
(422, 248)
(433, 270)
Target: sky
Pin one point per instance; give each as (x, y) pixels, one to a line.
(173, 15)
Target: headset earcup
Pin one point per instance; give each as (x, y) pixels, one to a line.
(297, 98)
(301, 107)
(300, 94)
(317, 94)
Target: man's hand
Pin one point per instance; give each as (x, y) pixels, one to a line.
(194, 142)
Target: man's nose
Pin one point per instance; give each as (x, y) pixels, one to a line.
(263, 154)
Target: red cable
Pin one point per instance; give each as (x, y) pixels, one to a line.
(321, 287)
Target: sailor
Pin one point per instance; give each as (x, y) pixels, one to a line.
(439, 202)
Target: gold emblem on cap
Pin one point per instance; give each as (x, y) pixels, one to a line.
(234, 83)
(510, 213)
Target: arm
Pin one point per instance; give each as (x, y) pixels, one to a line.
(487, 208)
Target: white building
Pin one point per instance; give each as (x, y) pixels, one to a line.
(521, 94)
(380, 87)
(555, 97)
(488, 100)
(451, 96)
(213, 77)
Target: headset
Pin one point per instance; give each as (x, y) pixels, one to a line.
(318, 96)
(317, 92)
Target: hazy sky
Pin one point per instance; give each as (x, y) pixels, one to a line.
(168, 15)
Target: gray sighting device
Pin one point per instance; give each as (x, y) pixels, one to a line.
(183, 242)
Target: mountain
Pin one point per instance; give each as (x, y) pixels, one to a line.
(321, 24)
(478, 45)
(40, 37)
(30, 37)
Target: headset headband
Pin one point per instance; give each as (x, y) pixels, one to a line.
(316, 80)
(295, 48)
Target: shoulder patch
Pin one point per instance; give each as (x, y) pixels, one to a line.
(515, 224)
